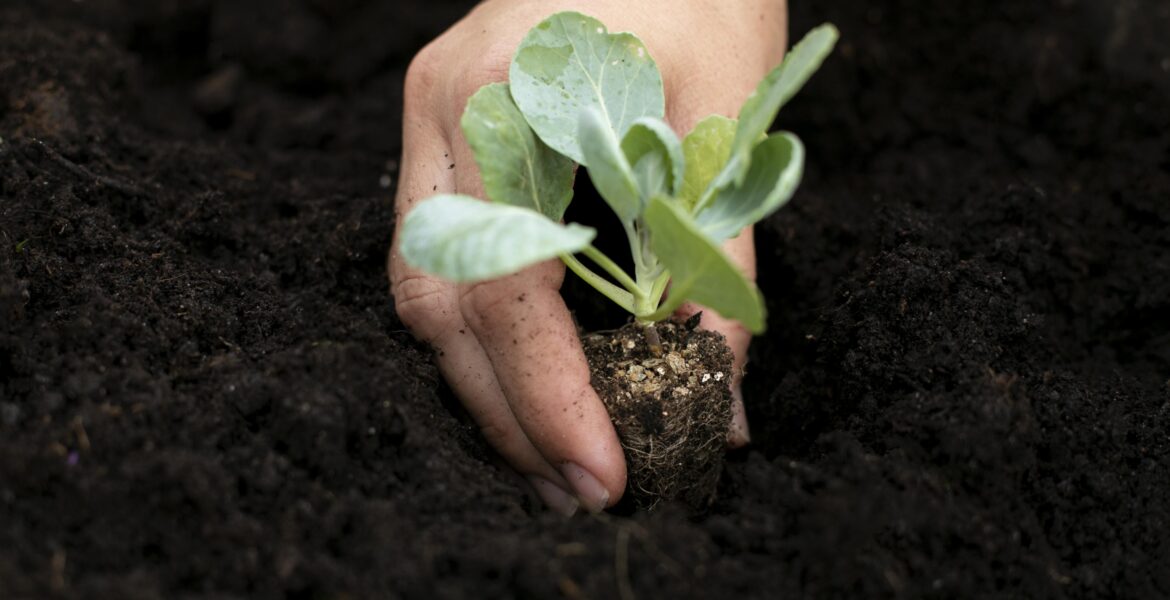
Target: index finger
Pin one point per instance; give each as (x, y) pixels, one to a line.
(529, 336)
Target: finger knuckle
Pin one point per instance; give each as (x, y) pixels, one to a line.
(478, 300)
(423, 72)
(549, 275)
(490, 66)
(424, 306)
(502, 437)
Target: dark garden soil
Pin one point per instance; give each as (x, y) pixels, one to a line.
(963, 391)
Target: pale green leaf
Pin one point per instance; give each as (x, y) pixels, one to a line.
(656, 156)
(610, 172)
(782, 84)
(517, 168)
(776, 167)
(568, 63)
(706, 149)
(760, 109)
(464, 239)
(777, 87)
(699, 270)
(651, 174)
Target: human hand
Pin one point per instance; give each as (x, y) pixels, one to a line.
(508, 347)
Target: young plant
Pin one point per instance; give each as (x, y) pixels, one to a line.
(579, 94)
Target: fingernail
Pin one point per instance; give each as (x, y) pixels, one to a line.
(739, 435)
(590, 493)
(555, 498)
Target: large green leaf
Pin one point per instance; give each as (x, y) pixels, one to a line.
(776, 167)
(656, 157)
(706, 149)
(777, 87)
(464, 239)
(760, 109)
(699, 270)
(609, 170)
(568, 63)
(517, 168)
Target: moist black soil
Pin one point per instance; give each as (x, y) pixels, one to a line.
(670, 404)
(963, 391)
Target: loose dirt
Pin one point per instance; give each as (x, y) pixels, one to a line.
(963, 391)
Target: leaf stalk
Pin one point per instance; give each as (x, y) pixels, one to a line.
(620, 297)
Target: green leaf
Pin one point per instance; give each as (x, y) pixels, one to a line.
(568, 63)
(706, 149)
(517, 168)
(610, 172)
(653, 149)
(464, 239)
(777, 87)
(760, 109)
(780, 85)
(776, 167)
(699, 270)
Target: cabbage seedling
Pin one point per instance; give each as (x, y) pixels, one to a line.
(579, 94)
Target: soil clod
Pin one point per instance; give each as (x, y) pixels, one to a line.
(671, 414)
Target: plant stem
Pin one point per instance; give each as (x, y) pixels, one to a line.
(620, 297)
(635, 244)
(659, 287)
(664, 310)
(640, 296)
(643, 307)
(611, 267)
(652, 339)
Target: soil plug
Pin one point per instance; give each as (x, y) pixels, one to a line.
(665, 385)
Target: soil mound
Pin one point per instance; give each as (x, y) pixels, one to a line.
(204, 392)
